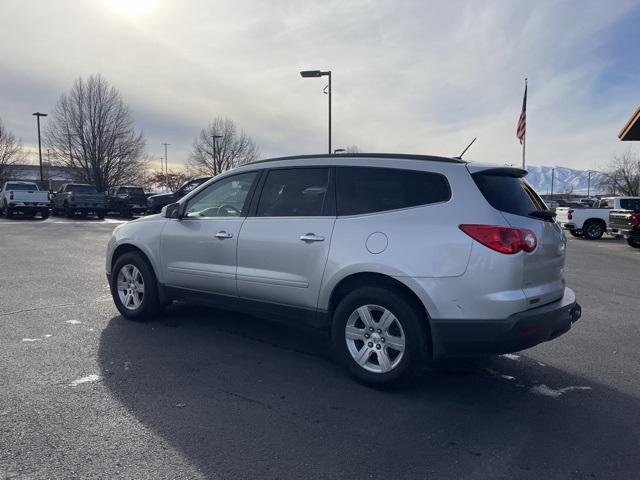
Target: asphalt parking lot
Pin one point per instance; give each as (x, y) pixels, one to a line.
(201, 393)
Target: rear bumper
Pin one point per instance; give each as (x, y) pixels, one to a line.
(517, 332)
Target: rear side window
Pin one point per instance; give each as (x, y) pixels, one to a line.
(296, 192)
(21, 186)
(508, 194)
(630, 204)
(368, 189)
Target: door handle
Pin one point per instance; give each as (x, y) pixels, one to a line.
(312, 237)
(222, 235)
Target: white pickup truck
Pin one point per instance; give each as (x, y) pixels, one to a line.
(25, 198)
(591, 222)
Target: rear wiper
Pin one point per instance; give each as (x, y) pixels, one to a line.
(543, 214)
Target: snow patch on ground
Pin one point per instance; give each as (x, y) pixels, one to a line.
(73, 322)
(31, 339)
(88, 379)
(546, 391)
(511, 356)
(48, 335)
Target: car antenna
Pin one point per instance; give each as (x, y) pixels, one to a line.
(459, 157)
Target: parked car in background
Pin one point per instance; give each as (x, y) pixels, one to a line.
(626, 221)
(591, 222)
(25, 198)
(72, 198)
(156, 202)
(401, 257)
(126, 200)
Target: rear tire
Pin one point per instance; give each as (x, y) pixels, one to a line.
(576, 233)
(44, 214)
(68, 211)
(375, 347)
(131, 272)
(593, 229)
(101, 214)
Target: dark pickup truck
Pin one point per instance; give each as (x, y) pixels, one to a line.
(627, 224)
(72, 198)
(156, 202)
(126, 200)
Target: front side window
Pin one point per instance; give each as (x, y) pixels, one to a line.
(225, 198)
(294, 192)
(363, 190)
(188, 187)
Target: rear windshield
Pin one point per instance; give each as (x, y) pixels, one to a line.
(81, 189)
(630, 204)
(21, 186)
(131, 191)
(508, 194)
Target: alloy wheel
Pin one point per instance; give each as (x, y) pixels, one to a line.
(130, 287)
(375, 338)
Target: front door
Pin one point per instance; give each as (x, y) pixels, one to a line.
(198, 252)
(283, 248)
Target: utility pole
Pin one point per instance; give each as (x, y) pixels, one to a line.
(166, 165)
(553, 174)
(38, 115)
(589, 185)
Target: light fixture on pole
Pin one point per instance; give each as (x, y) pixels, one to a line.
(215, 166)
(339, 150)
(315, 74)
(38, 115)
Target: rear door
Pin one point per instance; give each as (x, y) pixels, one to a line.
(198, 252)
(543, 269)
(283, 247)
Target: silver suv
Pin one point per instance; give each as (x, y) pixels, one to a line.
(402, 257)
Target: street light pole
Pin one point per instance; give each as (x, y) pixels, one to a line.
(319, 73)
(166, 165)
(38, 115)
(215, 166)
(553, 174)
(589, 185)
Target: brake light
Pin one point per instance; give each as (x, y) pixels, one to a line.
(570, 214)
(10, 195)
(505, 240)
(635, 219)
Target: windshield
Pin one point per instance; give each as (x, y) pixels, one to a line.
(81, 189)
(508, 194)
(21, 186)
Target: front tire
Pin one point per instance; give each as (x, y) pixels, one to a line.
(633, 242)
(379, 335)
(134, 287)
(593, 229)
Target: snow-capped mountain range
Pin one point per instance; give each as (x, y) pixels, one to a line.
(565, 180)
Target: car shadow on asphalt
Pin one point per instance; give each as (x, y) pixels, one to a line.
(240, 397)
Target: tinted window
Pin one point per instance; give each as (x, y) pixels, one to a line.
(21, 186)
(296, 192)
(131, 191)
(81, 189)
(630, 204)
(224, 198)
(509, 194)
(367, 190)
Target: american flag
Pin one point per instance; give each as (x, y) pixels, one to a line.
(522, 121)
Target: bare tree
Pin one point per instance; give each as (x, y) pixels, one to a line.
(623, 175)
(10, 150)
(171, 179)
(231, 150)
(92, 130)
(352, 149)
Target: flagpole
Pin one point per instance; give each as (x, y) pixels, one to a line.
(524, 137)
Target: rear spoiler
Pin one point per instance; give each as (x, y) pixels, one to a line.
(498, 171)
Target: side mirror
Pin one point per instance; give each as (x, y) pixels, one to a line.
(173, 210)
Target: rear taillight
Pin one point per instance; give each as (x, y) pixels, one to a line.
(505, 240)
(635, 219)
(570, 214)
(10, 195)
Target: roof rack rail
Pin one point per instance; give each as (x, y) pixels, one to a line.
(402, 156)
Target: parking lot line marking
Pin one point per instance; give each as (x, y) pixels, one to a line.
(3, 314)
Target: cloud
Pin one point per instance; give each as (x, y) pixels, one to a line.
(410, 76)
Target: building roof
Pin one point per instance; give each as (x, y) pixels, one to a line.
(631, 130)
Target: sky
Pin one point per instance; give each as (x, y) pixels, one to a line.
(408, 76)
